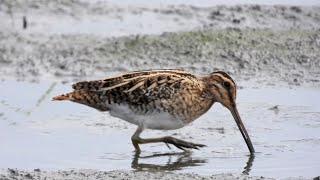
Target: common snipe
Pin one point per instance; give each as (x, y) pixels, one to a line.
(159, 99)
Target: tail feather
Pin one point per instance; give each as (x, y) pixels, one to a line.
(88, 98)
(62, 97)
(77, 95)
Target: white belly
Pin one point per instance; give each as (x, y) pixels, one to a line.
(155, 120)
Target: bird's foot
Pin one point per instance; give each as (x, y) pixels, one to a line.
(181, 144)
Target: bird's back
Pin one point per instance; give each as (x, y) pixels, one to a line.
(142, 93)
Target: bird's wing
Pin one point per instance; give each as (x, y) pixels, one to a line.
(133, 79)
(141, 86)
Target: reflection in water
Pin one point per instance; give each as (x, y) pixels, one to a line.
(249, 164)
(316, 178)
(184, 160)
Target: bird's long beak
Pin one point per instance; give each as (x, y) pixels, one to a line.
(242, 129)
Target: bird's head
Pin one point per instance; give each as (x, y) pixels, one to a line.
(222, 88)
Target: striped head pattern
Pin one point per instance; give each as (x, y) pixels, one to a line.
(222, 88)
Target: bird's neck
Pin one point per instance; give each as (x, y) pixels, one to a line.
(201, 105)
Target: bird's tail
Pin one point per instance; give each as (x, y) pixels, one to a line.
(67, 96)
(88, 98)
(77, 95)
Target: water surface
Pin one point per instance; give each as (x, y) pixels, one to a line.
(38, 133)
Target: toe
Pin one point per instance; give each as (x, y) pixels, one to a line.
(182, 144)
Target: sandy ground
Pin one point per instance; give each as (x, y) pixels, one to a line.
(76, 40)
(90, 175)
(260, 56)
(123, 175)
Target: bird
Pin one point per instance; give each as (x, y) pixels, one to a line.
(159, 99)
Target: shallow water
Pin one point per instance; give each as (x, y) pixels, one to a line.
(124, 18)
(38, 133)
(128, 24)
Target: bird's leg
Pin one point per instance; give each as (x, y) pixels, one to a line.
(136, 140)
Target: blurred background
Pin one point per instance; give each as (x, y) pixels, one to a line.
(76, 40)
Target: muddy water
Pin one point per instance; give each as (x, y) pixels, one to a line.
(38, 133)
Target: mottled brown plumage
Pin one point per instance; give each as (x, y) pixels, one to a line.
(159, 99)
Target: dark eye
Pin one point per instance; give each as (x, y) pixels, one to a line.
(226, 84)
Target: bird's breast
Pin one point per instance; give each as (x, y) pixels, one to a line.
(148, 118)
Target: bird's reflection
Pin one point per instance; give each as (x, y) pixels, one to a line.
(184, 159)
(249, 164)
